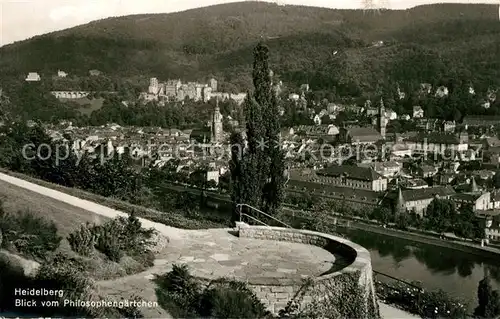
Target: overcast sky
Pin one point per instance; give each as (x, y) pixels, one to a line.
(22, 19)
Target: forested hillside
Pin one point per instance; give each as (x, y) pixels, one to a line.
(330, 49)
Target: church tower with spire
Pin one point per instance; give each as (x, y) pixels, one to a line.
(400, 206)
(217, 124)
(473, 186)
(382, 118)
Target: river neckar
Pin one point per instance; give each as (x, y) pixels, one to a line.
(457, 273)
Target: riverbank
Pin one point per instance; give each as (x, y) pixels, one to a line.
(391, 312)
(471, 248)
(460, 245)
(414, 235)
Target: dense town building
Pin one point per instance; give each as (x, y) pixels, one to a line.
(175, 90)
(216, 128)
(33, 77)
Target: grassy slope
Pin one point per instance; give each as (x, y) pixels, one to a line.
(67, 217)
(173, 219)
(86, 106)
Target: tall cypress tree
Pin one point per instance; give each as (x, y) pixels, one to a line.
(274, 189)
(257, 176)
(488, 303)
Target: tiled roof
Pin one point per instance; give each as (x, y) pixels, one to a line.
(481, 120)
(335, 191)
(353, 172)
(468, 197)
(415, 182)
(378, 166)
(435, 138)
(424, 193)
(363, 131)
(493, 142)
(427, 168)
(315, 129)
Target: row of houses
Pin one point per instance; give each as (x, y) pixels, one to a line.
(364, 184)
(36, 77)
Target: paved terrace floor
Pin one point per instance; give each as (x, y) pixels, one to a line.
(216, 253)
(209, 253)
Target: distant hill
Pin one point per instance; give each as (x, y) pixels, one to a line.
(324, 47)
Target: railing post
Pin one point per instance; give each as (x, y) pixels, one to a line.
(258, 213)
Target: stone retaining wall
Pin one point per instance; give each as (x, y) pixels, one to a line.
(275, 297)
(325, 292)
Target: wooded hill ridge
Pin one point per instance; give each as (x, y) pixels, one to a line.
(326, 48)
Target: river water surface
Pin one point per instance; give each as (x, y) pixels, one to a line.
(455, 272)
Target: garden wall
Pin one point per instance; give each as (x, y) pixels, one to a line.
(345, 291)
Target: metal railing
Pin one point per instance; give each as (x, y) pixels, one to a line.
(240, 207)
(405, 283)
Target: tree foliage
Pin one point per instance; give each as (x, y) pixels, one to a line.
(101, 174)
(181, 293)
(258, 171)
(59, 274)
(220, 36)
(488, 300)
(440, 215)
(230, 299)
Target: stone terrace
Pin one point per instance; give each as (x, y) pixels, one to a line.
(215, 250)
(217, 253)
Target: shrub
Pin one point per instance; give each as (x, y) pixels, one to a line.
(109, 244)
(147, 258)
(137, 240)
(11, 277)
(230, 299)
(115, 238)
(60, 273)
(64, 272)
(77, 264)
(418, 301)
(488, 300)
(180, 281)
(28, 234)
(131, 311)
(83, 240)
(345, 299)
(179, 291)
